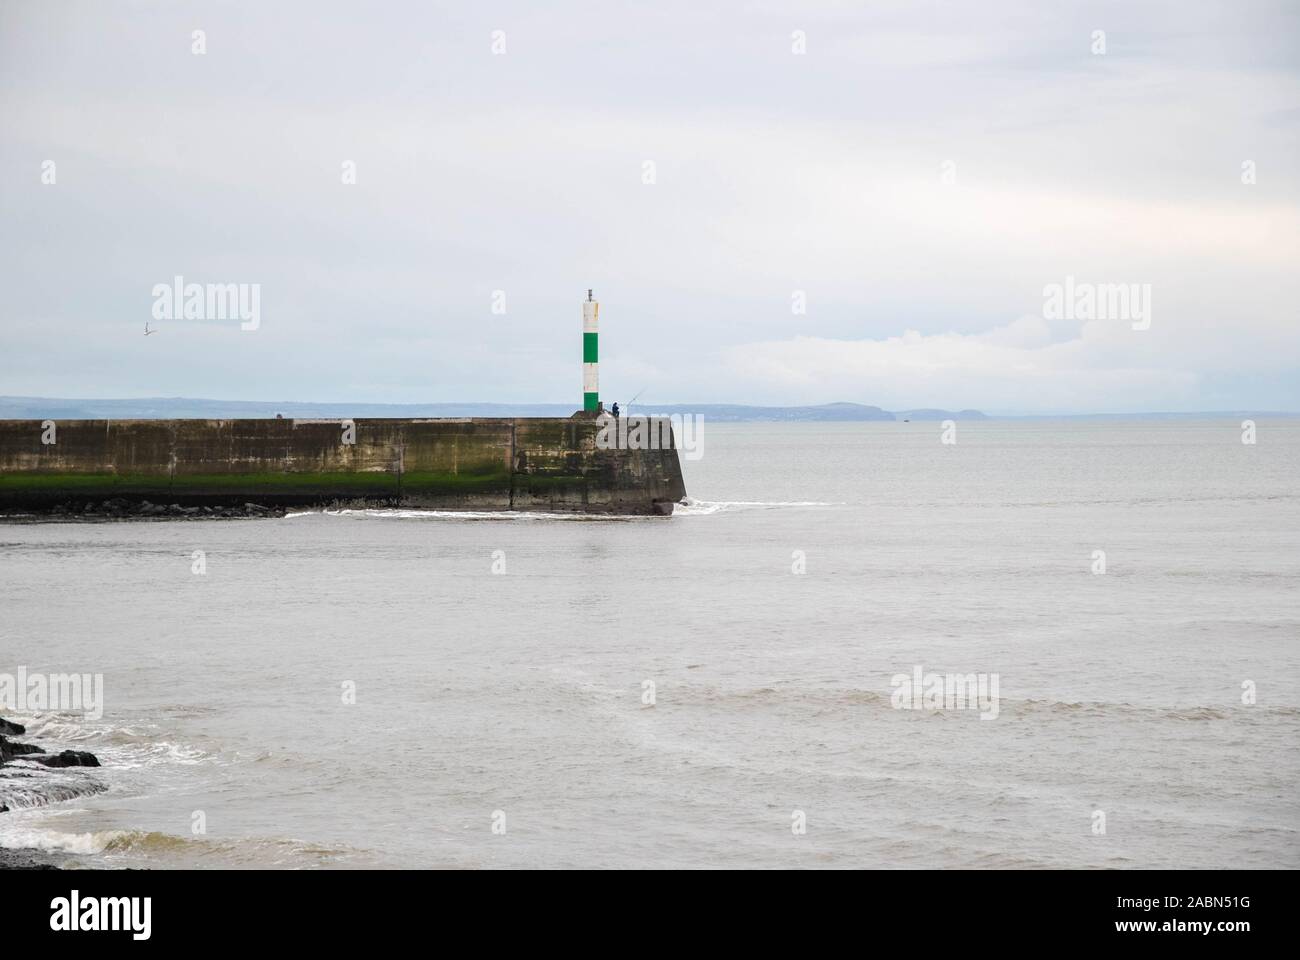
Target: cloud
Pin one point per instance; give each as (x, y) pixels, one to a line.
(776, 173)
(1016, 366)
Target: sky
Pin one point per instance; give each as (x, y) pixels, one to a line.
(914, 175)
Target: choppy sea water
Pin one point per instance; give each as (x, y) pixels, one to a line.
(521, 693)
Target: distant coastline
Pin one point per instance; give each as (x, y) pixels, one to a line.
(39, 408)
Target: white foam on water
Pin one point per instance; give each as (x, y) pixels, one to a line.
(54, 841)
(25, 785)
(153, 846)
(160, 752)
(687, 508)
(691, 507)
(128, 746)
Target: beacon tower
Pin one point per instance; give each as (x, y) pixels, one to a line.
(590, 374)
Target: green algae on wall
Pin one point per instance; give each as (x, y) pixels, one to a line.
(490, 463)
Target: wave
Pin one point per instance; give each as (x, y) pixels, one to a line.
(1151, 711)
(154, 845)
(823, 697)
(118, 746)
(26, 785)
(53, 841)
(781, 693)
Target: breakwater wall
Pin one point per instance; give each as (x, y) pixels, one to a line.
(551, 464)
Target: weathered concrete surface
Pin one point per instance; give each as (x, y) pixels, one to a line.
(470, 464)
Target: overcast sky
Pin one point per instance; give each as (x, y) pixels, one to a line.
(921, 172)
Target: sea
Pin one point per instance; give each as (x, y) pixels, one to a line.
(770, 678)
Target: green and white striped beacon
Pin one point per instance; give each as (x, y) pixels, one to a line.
(590, 333)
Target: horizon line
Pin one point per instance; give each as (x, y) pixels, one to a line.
(711, 403)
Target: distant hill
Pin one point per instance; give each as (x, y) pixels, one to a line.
(184, 408)
(40, 408)
(931, 414)
(189, 409)
(739, 412)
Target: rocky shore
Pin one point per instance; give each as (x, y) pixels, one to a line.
(27, 860)
(120, 509)
(11, 750)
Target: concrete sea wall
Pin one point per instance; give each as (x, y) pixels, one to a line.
(452, 464)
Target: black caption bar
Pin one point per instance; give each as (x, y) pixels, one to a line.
(257, 908)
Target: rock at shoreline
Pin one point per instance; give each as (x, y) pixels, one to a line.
(12, 750)
(68, 758)
(26, 859)
(11, 728)
(120, 509)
